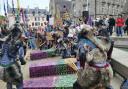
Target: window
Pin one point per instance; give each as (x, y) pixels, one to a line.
(33, 13)
(37, 23)
(35, 19)
(41, 24)
(32, 23)
(38, 18)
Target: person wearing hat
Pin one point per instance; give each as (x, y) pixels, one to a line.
(92, 54)
(10, 71)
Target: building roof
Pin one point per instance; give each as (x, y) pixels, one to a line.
(30, 11)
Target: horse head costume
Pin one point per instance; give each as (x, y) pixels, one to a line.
(96, 72)
(10, 71)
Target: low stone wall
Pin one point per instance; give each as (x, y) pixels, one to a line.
(120, 62)
(121, 42)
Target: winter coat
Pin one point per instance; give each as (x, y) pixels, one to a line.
(126, 22)
(111, 22)
(119, 22)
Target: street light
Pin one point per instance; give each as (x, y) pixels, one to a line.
(95, 8)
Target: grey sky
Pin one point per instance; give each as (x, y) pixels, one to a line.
(25, 3)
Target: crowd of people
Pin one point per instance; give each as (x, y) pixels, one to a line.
(91, 45)
(118, 25)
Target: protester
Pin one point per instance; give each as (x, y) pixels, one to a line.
(10, 70)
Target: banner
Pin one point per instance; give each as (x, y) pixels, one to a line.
(11, 20)
(18, 6)
(51, 21)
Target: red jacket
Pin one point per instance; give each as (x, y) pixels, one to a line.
(119, 22)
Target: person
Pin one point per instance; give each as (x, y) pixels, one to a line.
(10, 70)
(126, 24)
(32, 39)
(103, 33)
(94, 62)
(101, 21)
(66, 49)
(119, 25)
(111, 22)
(66, 31)
(105, 19)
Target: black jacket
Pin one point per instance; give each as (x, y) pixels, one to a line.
(111, 22)
(126, 23)
(103, 32)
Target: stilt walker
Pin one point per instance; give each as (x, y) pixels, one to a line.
(10, 70)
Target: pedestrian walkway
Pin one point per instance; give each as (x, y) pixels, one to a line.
(124, 36)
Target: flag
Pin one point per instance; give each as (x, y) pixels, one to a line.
(13, 10)
(7, 7)
(22, 14)
(5, 12)
(18, 6)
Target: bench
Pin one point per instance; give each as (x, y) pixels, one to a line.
(120, 62)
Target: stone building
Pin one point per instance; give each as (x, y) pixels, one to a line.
(59, 7)
(98, 7)
(125, 9)
(33, 17)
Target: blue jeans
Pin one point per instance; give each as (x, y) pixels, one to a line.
(119, 31)
(32, 43)
(9, 86)
(21, 52)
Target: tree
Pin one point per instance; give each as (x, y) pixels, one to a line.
(2, 17)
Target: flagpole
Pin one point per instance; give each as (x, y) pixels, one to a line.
(87, 5)
(13, 11)
(7, 6)
(18, 10)
(4, 8)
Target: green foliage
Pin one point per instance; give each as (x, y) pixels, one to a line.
(2, 17)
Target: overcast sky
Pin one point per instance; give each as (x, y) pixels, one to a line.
(25, 3)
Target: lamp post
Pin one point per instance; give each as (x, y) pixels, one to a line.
(95, 8)
(87, 9)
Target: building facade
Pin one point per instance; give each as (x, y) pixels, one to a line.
(33, 17)
(125, 9)
(98, 7)
(59, 8)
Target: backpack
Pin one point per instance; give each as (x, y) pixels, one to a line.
(124, 85)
